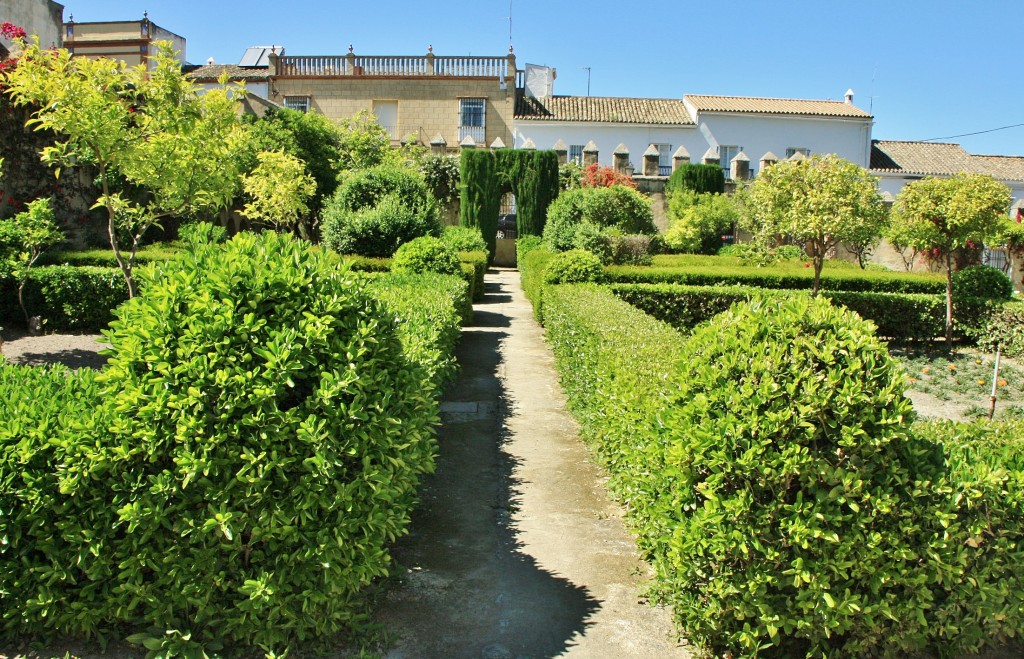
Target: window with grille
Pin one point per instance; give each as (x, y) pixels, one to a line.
(300, 103)
(793, 150)
(725, 155)
(664, 159)
(576, 153)
(472, 112)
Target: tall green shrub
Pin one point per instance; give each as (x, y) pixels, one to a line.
(614, 207)
(698, 178)
(480, 195)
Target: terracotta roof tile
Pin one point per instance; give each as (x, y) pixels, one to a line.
(941, 159)
(753, 105)
(603, 109)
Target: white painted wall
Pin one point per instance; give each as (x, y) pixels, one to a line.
(259, 89)
(40, 17)
(755, 134)
(177, 42)
(607, 137)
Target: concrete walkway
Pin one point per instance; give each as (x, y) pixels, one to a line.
(517, 550)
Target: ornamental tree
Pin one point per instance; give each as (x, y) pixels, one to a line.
(23, 239)
(946, 214)
(279, 188)
(820, 202)
(158, 148)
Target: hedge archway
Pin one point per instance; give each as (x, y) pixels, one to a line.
(532, 176)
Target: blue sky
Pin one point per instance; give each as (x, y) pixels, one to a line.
(924, 69)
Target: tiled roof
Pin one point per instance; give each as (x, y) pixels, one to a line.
(941, 159)
(603, 109)
(1004, 168)
(213, 72)
(752, 105)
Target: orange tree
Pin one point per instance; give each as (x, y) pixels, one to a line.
(946, 214)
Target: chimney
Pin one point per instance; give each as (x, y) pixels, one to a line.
(849, 97)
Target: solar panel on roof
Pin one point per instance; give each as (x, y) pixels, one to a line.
(256, 56)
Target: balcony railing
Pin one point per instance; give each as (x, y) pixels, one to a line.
(392, 66)
(476, 132)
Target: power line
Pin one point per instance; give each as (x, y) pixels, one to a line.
(990, 130)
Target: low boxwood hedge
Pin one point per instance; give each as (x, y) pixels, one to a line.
(899, 316)
(836, 280)
(68, 298)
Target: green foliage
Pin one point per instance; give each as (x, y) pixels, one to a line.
(463, 239)
(478, 260)
(425, 254)
(947, 214)
(717, 271)
(363, 143)
(159, 148)
(616, 207)
(69, 298)
(697, 178)
(441, 174)
(981, 281)
(697, 221)
(574, 267)
(570, 176)
(375, 211)
(278, 189)
(23, 239)
(1003, 329)
(104, 258)
(535, 188)
(195, 234)
(259, 445)
(820, 201)
(532, 266)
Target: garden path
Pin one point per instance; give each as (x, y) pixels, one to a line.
(517, 551)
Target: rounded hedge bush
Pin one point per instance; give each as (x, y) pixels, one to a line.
(782, 508)
(464, 239)
(379, 230)
(426, 254)
(616, 207)
(574, 267)
(982, 281)
(267, 443)
(367, 188)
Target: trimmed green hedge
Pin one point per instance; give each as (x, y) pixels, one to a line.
(924, 556)
(478, 260)
(68, 298)
(239, 468)
(532, 265)
(905, 317)
(104, 258)
(838, 280)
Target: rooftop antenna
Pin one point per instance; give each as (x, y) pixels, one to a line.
(587, 69)
(510, 23)
(871, 94)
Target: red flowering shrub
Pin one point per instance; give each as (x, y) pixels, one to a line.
(596, 176)
(11, 31)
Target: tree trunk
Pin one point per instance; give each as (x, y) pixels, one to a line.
(949, 299)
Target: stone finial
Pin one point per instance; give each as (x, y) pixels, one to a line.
(799, 155)
(711, 156)
(590, 154)
(739, 168)
(430, 49)
(651, 161)
(680, 157)
(560, 145)
(768, 159)
(468, 142)
(350, 49)
(562, 151)
(498, 143)
(438, 145)
(620, 158)
(529, 145)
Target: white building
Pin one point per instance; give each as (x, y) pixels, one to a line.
(704, 126)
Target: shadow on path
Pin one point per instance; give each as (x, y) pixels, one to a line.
(466, 588)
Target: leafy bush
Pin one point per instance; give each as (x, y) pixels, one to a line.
(615, 207)
(202, 233)
(368, 188)
(464, 239)
(265, 441)
(779, 514)
(441, 174)
(574, 267)
(981, 281)
(532, 266)
(599, 176)
(379, 230)
(697, 221)
(697, 177)
(80, 299)
(478, 260)
(425, 254)
(1004, 329)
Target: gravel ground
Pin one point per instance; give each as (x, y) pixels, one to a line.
(73, 350)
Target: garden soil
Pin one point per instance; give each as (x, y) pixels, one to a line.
(516, 551)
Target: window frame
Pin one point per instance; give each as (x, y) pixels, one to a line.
(289, 102)
(473, 109)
